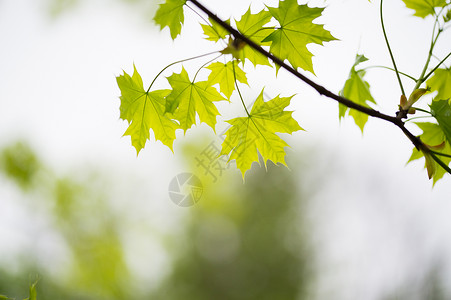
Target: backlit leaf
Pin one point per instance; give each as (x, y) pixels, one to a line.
(144, 111)
(223, 74)
(433, 135)
(441, 82)
(358, 90)
(424, 8)
(253, 27)
(257, 132)
(441, 110)
(290, 39)
(188, 98)
(170, 14)
(215, 32)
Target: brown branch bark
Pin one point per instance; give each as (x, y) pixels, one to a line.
(320, 89)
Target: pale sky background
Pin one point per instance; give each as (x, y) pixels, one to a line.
(377, 220)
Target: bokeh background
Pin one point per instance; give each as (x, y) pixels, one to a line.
(80, 213)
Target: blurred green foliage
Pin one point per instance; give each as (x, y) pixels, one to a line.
(57, 8)
(19, 163)
(79, 211)
(244, 242)
(240, 241)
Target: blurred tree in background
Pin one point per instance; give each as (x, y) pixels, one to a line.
(80, 214)
(244, 242)
(239, 242)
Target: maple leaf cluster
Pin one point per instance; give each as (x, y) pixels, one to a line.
(165, 111)
(285, 31)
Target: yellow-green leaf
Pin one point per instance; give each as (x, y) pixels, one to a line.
(424, 8)
(214, 32)
(253, 27)
(433, 135)
(170, 14)
(144, 111)
(441, 110)
(257, 132)
(223, 74)
(188, 98)
(358, 90)
(297, 30)
(441, 82)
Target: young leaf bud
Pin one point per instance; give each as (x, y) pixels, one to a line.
(403, 101)
(414, 97)
(430, 164)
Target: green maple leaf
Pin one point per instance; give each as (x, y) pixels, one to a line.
(357, 90)
(223, 74)
(424, 8)
(252, 26)
(441, 82)
(170, 14)
(215, 32)
(441, 110)
(188, 98)
(144, 111)
(433, 135)
(257, 132)
(296, 30)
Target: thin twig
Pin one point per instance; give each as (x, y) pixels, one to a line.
(320, 89)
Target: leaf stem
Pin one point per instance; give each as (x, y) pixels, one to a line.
(437, 66)
(439, 161)
(391, 69)
(422, 77)
(440, 154)
(194, 79)
(389, 50)
(177, 62)
(423, 110)
(416, 118)
(238, 90)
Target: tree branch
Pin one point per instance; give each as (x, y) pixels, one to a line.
(320, 89)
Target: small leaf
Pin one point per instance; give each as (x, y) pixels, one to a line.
(257, 132)
(144, 111)
(413, 98)
(441, 110)
(170, 14)
(441, 82)
(432, 135)
(423, 8)
(252, 26)
(431, 165)
(447, 16)
(223, 74)
(215, 32)
(188, 98)
(357, 90)
(297, 30)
